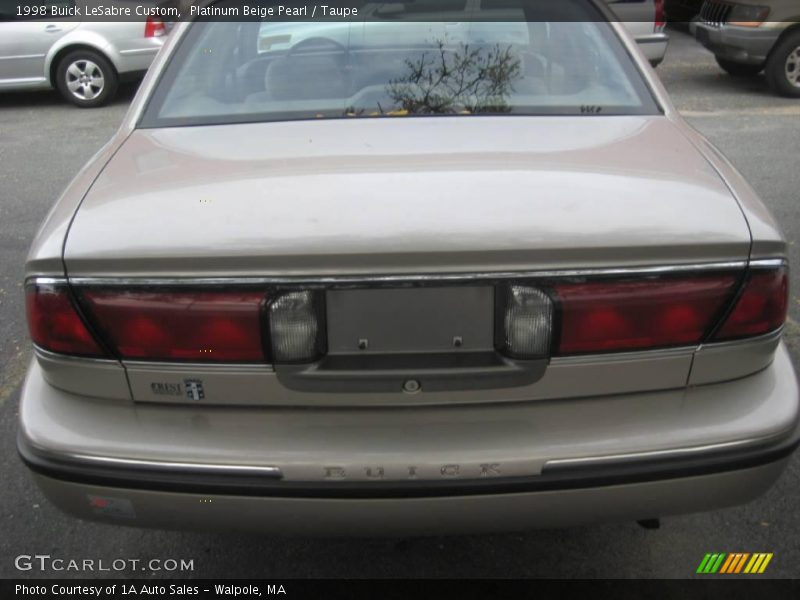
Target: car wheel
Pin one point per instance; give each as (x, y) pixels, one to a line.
(86, 79)
(783, 66)
(738, 69)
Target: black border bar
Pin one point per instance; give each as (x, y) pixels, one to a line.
(743, 587)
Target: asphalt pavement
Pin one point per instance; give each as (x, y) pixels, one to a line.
(44, 142)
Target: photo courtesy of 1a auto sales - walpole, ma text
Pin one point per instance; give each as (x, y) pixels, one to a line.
(399, 299)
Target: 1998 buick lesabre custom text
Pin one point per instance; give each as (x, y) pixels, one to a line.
(406, 283)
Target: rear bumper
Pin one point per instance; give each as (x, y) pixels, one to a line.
(746, 45)
(475, 513)
(485, 468)
(134, 55)
(654, 46)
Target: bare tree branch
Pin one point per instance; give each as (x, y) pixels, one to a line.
(472, 79)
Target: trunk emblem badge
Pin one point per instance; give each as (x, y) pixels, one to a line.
(194, 389)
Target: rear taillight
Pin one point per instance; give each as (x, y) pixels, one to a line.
(154, 28)
(187, 325)
(54, 322)
(660, 18)
(559, 318)
(652, 312)
(761, 306)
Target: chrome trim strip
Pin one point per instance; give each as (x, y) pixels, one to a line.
(652, 38)
(198, 468)
(138, 366)
(137, 51)
(45, 280)
(408, 278)
(767, 263)
(40, 352)
(21, 56)
(606, 357)
(764, 338)
(553, 465)
(161, 367)
(566, 463)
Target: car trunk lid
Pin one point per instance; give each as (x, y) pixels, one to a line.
(413, 195)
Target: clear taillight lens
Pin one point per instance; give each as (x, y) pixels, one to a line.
(55, 324)
(760, 308)
(187, 325)
(296, 326)
(527, 322)
(656, 312)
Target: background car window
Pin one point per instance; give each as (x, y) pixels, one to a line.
(227, 72)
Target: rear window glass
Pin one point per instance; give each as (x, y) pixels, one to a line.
(399, 60)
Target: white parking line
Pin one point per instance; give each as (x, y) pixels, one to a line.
(779, 111)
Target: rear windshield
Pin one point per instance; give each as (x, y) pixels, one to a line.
(390, 65)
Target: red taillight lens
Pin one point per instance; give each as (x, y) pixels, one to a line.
(154, 28)
(55, 325)
(660, 18)
(761, 307)
(181, 325)
(609, 316)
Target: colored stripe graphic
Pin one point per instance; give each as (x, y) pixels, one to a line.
(739, 562)
(736, 557)
(711, 563)
(759, 562)
(755, 562)
(715, 567)
(703, 563)
(764, 564)
(727, 564)
(730, 564)
(734, 563)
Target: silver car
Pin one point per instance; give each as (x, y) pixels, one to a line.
(83, 59)
(406, 286)
(646, 20)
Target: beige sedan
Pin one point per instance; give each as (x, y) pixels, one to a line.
(406, 284)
